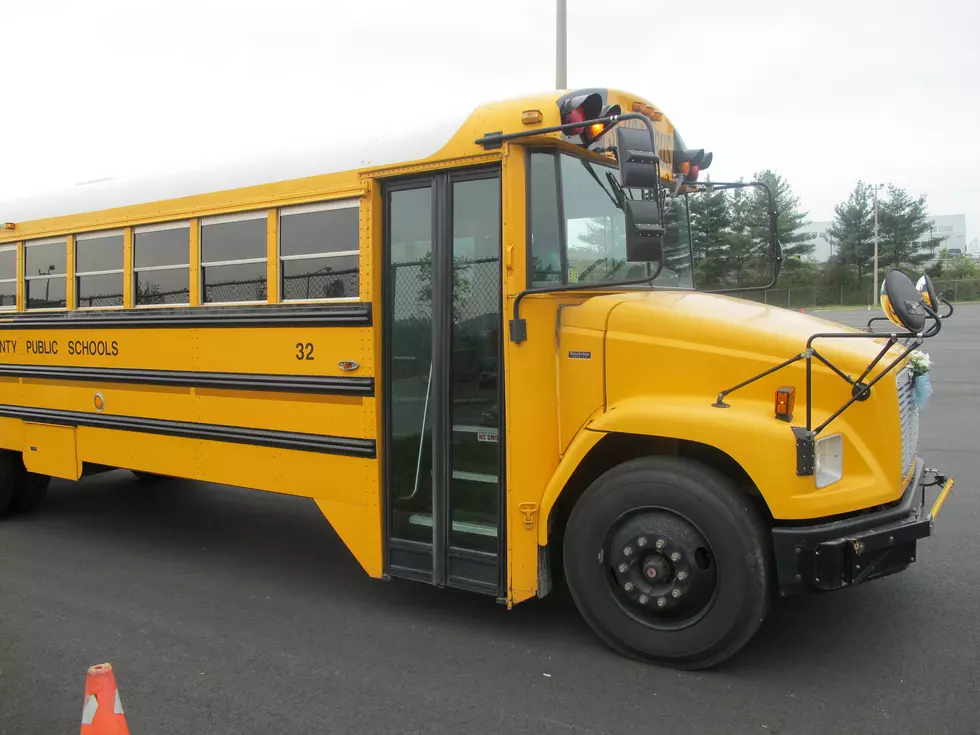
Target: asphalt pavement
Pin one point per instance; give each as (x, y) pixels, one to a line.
(231, 611)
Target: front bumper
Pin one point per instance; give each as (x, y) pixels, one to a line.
(857, 549)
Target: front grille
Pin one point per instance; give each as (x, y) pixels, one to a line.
(908, 416)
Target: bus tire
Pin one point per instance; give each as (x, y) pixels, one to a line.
(645, 549)
(20, 490)
(8, 483)
(32, 493)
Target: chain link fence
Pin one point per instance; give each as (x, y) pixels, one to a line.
(102, 300)
(338, 284)
(815, 297)
(476, 289)
(476, 313)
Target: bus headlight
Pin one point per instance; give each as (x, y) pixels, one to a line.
(829, 457)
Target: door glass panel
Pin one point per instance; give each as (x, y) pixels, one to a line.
(475, 489)
(410, 473)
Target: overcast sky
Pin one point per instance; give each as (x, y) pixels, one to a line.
(825, 93)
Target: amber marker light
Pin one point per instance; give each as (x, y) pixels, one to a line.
(531, 117)
(785, 403)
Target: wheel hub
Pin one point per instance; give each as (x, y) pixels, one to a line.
(656, 568)
(662, 569)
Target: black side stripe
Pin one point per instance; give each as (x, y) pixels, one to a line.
(327, 385)
(233, 434)
(221, 317)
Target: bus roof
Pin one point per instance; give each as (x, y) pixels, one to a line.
(347, 153)
(103, 203)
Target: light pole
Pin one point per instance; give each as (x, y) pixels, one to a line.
(874, 294)
(562, 47)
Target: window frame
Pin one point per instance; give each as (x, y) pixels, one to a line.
(63, 239)
(5, 248)
(322, 206)
(558, 154)
(162, 227)
(554, 153)
(252, 214)
(96, 235)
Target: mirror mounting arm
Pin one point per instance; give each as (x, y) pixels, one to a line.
(720, 403)
(492, 141)
(861, 394)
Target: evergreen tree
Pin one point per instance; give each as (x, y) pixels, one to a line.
(902, 221)
(789, 217)
(743, 250)
(852, 232)
(710, 223)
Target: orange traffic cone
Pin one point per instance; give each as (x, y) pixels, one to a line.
(102, 713)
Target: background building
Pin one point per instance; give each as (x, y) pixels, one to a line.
(822, 250)
(948, 229)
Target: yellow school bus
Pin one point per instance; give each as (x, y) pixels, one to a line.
(481, 351)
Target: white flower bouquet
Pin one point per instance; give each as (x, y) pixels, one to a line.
(920, 365)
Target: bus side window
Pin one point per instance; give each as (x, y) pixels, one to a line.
(319, 251)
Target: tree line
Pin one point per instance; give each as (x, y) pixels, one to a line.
(730, 230)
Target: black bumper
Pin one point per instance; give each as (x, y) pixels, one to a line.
(857, 549)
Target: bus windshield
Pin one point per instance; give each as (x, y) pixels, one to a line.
(578, 233)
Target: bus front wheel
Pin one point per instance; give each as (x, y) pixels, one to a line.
(667, 562)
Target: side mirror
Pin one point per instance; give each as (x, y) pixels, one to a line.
(644, 232)
(927, 292)
(639, 163)
(901, 302)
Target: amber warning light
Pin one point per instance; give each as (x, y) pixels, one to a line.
(785, 403)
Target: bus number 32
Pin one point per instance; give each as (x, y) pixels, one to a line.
(304, 351)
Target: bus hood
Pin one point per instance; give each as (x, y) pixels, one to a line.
(720, 325)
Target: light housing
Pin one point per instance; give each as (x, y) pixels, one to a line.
(690, 162)
(785, 403)
(648, 111)
(580, 108)
(828, 460)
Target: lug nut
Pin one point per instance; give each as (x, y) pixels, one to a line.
(641, 542)
(623, 569)
(627, 551)
(661, 602)
(681, 576)
(675, 556)
(660, 543)
(643, 599)
(628, 586)
(675, 593)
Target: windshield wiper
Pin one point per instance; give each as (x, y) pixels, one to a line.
(588, 167)
(595, 264)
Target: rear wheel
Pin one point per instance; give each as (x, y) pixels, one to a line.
(20, 491)
(148, 476)
(33, 492)
(667, 561)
